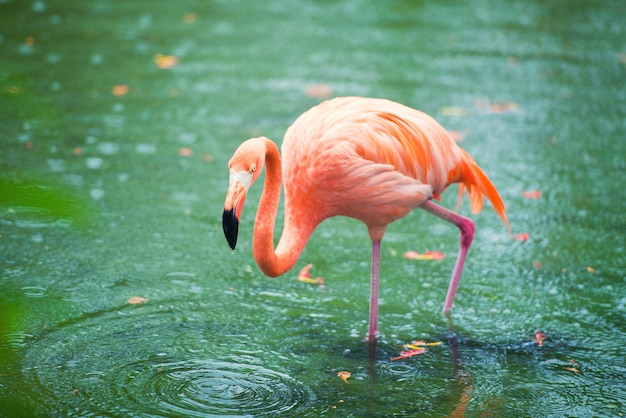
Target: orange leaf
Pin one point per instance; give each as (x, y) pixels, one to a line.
(185, 152)
(318, 91)
(190, 18)
(456, 135)
(165, 61)
(504, 107)
(409, 353)
(531, 194)
(523, 236)
(119, 90)
(344, 375)
(428, 255)
(137, 300)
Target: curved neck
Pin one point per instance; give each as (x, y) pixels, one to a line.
(295, 234)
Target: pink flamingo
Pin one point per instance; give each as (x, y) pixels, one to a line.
(369, 159)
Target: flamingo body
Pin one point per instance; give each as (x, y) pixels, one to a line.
(369, 159)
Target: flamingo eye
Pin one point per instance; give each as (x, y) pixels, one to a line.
(252, 168)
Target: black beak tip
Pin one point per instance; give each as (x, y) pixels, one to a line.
(230, 223)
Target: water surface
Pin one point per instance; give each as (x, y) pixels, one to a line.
(119, 295)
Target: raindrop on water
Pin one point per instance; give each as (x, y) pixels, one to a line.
(96, 194)
(38, 6)
(94, 163)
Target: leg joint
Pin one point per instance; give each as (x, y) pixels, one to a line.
(467, 231)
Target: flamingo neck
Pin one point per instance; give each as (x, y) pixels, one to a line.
(295, 234)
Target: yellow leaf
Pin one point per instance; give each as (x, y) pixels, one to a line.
(344, 375)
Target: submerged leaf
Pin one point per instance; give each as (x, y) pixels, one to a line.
(522, 236)
(531, 194)
(456, 136)
(190, 18)
(504, 107)
(318, 91)
(185, 152)
(137, 300)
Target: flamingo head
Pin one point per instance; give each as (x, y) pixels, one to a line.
(245, 168)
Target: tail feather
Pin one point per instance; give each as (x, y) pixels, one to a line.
(473, 179)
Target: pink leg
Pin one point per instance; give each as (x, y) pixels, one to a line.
(467, 235)
(372, 332)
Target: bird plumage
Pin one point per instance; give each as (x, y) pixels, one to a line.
(370, 159)
(375, 152)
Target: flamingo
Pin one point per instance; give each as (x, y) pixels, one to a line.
(370, 159)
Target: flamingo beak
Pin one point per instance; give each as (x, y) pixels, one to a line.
(235, 198)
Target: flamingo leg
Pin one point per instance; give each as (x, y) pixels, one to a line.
(466, 226)
(372, 331)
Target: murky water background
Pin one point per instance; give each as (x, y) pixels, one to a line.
(119, 295)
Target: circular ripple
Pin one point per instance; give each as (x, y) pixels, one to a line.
(31, 217)
(200, 388)
(113, 364)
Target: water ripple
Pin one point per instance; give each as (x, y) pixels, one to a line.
(208, 387)
(31, 217)
(106, 363)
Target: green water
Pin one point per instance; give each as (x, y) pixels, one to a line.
(107, 197)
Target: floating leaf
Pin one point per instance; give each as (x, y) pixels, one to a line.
(452, 111)
(571, 369)
(409, 353)
(185, 152)
(318, 91)
(428, 255)
(165, 61)
(539, 337)
(591, 269)
(137, 300)
(504, 107)
(190, 18)
(456, 135)
(305, 276)
(416, 344)
(344, 375)
(120, 90)
(531, 194)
